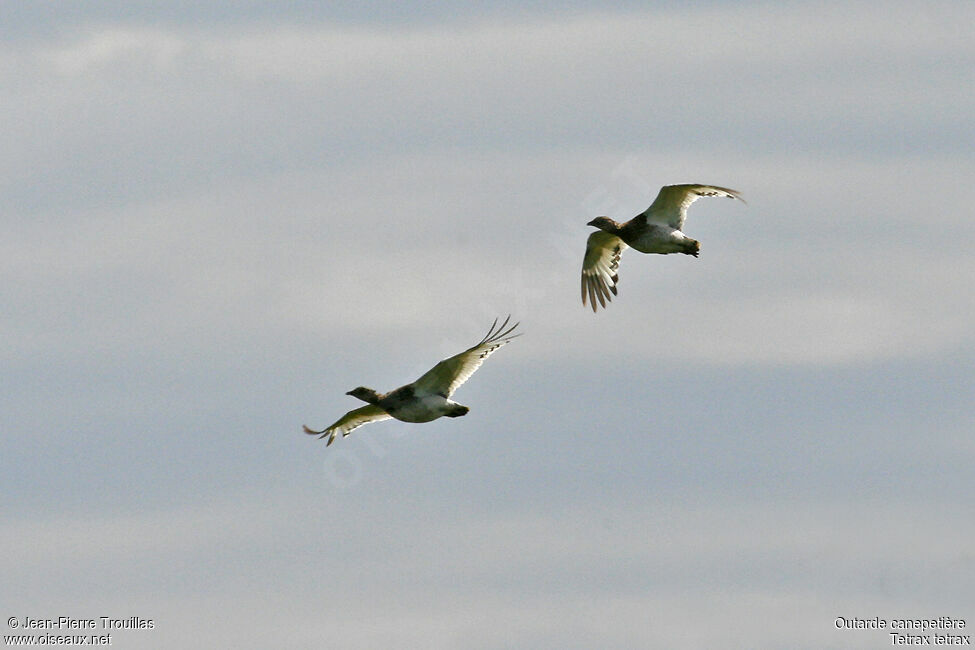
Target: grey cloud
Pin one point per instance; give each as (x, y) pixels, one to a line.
(218, 220)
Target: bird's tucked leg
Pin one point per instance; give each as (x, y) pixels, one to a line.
(457, 411)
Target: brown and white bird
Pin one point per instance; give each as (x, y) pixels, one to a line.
(655, 230)
(426, 399)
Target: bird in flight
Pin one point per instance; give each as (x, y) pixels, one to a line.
(655, 230)
(426, 399)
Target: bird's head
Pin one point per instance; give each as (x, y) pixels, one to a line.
(365, 394)
(604, 223)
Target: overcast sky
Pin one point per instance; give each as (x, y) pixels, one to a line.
(217, 218)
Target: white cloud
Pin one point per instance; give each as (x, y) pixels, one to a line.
(414, 572)
(810, 274)
(138, 47)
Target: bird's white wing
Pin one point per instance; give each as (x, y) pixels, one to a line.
(445, 377)
(350, 422)
(670, 206)
(599, 267)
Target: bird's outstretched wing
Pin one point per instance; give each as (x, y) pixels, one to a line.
(445, 377)
(350, 422)
(599, 267)
(670, 206)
